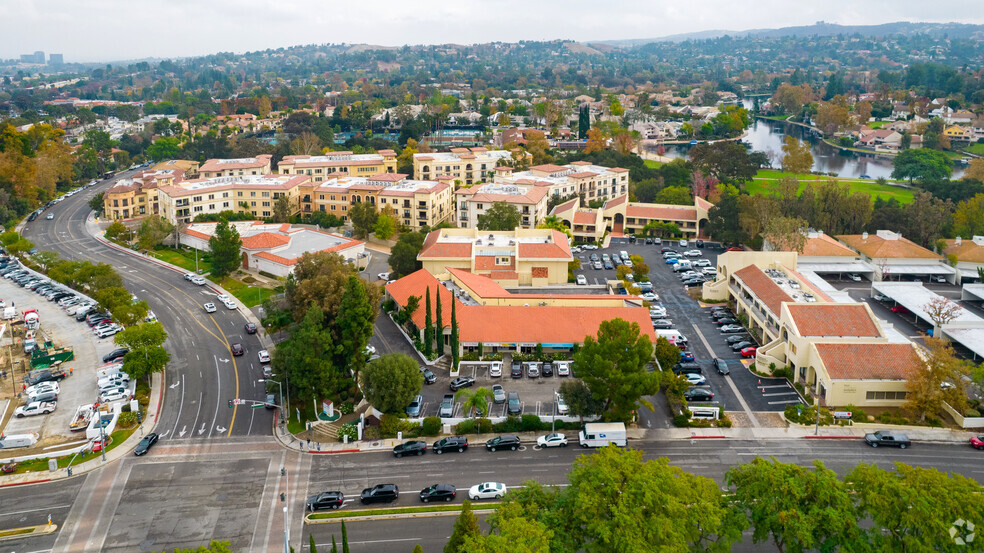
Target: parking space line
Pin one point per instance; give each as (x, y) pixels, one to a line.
(779, 394)
(797, 400)
(731, 383)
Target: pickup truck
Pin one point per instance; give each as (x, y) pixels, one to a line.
(884, 437)
(45, 375)
(35, 408)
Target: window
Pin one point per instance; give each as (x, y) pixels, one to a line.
(332, 207)
(266, 213)
(502, 260)
(266, 194)
(252, 194)
(332, 198)
(886, 395)
(266, 204)
(344, 207)
(225, 204)
(252, 204)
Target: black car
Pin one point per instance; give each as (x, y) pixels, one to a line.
(726, 321)
(144, 446)
(250, 328)
(700, 243)
(429, 377)
(516, 371)
(413, 447)
(271, 401)
(325, 500)
(380, 493)
(687, 367)
(37, 377)
(451, 443)
(461, 382)
(722, 366)
(698, 394)
(438, 492)
(693, 282)
(115, 354)
(741, 345)
(720, 309)
(32, 216)
(546, 369)
(506, 441)
(737, 338)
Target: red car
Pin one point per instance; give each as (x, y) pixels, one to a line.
(977, 442)
(735, 249)
(900, 309)
(749, 351)
(237, 349)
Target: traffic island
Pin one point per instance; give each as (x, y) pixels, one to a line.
(397, 512)
(27, 532)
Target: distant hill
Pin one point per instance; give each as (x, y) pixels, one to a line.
(936, 30)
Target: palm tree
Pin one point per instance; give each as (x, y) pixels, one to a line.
(477, 399)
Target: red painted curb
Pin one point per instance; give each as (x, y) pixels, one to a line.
(338, 451)
(832, 437)
(24, 483)
(707, 438)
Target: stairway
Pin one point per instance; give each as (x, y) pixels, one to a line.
(328, 431)
(443, 364)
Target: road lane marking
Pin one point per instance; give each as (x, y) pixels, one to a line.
(731, 383)
(32, 510)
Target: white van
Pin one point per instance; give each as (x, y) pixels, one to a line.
(600, 434)
(11, 441)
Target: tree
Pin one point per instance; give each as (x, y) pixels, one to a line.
(363, 217)
(312, 546)
(726, 161)
(941, 311)
(914, 508)
(922, 164)
(474, 401)
(96, 202)
(796, 508)
(438, 324)
(345, 545)
(925, 217)
(225, 247)
(465, 527)
(385, 226)
(147, 354)
(925, 389)
(118, 232)
(428, 328)
(321, 278)
(639, 267)
(306, 357)
(454, 337)
(723, 218)
(353, 325)
(666, 353)
(403, 256)
(45, 259)
(153, 230)
(674, 195)
(613, 365)
(583, 122)
(786, 234)
(501, 216)
(391, 382)
(975, 170)
(164, 148)
(555, 223)
(537, 146)
(580, 401)
(796, 158)
(968, 218)
(596, 141)
(281, 210)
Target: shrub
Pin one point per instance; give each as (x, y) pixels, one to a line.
(348, 430)
(127, 419)
(492, 357)
(390, 425)
(470, 356)
(857, 413)
(972, 413)
(371, 433)
(681, 420)
(511, 424)
(530, 423)
(466, 427)
(484, 426)
(389, 305)
(891, 418)
(431, 426)
(724, 423)
(346, 407)
(269, 275)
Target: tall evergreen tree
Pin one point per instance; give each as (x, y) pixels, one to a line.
(334, 546)
(428, 328)
(313, 546)
(454, 337)
(466, 526)
(225, 246)
(353, 326)
(583, 122)
(345, 547)
(439, 325)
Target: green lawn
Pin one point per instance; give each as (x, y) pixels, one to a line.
(251, 296)
(183, 259)
(652, 164)
(767, 177)
(877, 124)
(973, 148)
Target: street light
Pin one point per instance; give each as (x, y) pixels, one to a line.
(279, 385)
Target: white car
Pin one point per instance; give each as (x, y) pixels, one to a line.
(189, 276)
(120, 379)
(264, 356)
(582, 280)
(43, 388)
(114, 394)
(650, 296)
(198, 280)
(561, 405)
(709, 271)
(229, 304)
(695, 379)
(552, 440)
(881, 297)
(495, 370)
(35, 408)
(209, 307)
(369, 351)
(108, 331)
(487, 490)
(222, 298)
(563, 368)
(657, 312)
(627, 263)
(854, 277)
(692, 253)
(702, 262)
(384, 276)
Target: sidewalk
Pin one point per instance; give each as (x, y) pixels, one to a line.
(855, 432)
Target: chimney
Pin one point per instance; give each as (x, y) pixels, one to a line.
(864, 235)
(957, 241)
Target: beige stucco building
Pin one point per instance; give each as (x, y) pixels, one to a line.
(138, 195)
(468, 165)
(182, 201)
(592, 182)
(620, 217)
(334, 164)
(259, 165)
(472, 201)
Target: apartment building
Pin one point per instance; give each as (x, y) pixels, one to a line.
(138, 196)
(323, 167)
(182, 201)
(468, 165)
(592, 182)
(529, 201)
(621, 218)
(259, 165)
(415, 203)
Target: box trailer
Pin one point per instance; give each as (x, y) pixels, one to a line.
(600, 434)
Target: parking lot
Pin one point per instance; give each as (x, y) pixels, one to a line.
(80, 388)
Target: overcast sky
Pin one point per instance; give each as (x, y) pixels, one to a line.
(109, 30)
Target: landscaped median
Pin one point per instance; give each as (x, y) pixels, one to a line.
(27, 531)
(396, 512)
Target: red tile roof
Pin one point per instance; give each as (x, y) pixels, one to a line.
(832, 319)
(544, 251)
(853, 361)
(824, 245)
(483, 287)
(433, 248)
(876, 247)
(264, 240)
(548, 168)
(585, 217)
(540, 272)
(762, 286)
(616, 201)
(487, 263)
(661, 212)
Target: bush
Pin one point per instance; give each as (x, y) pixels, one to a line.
(891, 418)
(682, 420)
(346, 407)
(127, 419)
(492, 357)
(389, 305)
(530, 423)
(348, 430)
(857, 413)
(371, 433)
(466, 427)
(390, 425)
(431, 426)
(484, 426)
(470, 356)
(511, 424)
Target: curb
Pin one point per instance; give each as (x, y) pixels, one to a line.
(36, 530)
(395, 516)
(706, 438)
(330, 452)
(833, 438)
(13, 484)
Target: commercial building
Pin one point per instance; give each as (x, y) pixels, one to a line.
(259, 165)
(621, 218)
(822, 254)
(138, 195)
(839, 351)
(468, 165)
(333, 164)
(182, 201)
(892, 257)
(275, 248)
(592, 182)
(537, 257)
(472, 201)
(969, 255)
(414, 203)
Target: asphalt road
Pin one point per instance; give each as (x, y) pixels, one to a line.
(202, 375)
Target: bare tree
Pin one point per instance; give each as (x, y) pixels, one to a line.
(941, 311)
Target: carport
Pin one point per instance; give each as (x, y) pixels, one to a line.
(899, 271)
(968, 335)
(839, 269)
(967, 329)
(972, 292)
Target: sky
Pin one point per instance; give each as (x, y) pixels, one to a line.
(111, 30)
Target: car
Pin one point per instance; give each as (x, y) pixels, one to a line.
(732, 328)
(380, 493)
(267, 371)
(263, 355)
(209, 307)
(977, 442)
(198, 280)
(44, 375)
(250, 328)
(50, 216)
(628, 263)
(270, 402)
(189, 276)
(546, 369)
(582, 280)
(325, 500)
(693, 253)
(672, 261)
(513, 405)
(735, 249)
(237, 350)
(413, 410)
(384, 276)
(597, 265)
(97, 319)
(697, 281)
(855, 277)
(222, 298)
(899, 309)
(562, 408)
(657, 312)
(721, 365)
(451, 443)
(881, 297)
(695, 379)
(438, 492)
(887, 437)
(732, 340)
(145, 444)
(461, 382)
(516, 371)
(506, 441)
(726, 321)
(698, 394)
(117, 380)
(107, 331)
(115, 394)
(413, 447)
(447, 406)
(649, 296)
(35, 408)
(429, 376)
(495, 370)
(555, 439)
(594, 257)
(533, 369)
(229, 304)
(563, 368)
(43, 388)
(687, 356)
(701, 263)
(741, 345)
(663, 324)
(498, 394)
(749, 351)
(487, 490)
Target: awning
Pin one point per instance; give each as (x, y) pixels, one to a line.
(852, 267)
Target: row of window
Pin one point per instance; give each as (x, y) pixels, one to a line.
(886, 395)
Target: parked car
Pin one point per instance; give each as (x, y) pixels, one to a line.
(698, 394)
(887, 437)
(107, 331)
(732, 328)
(732, 340)
(855, 277)
(413, 410)
(533, 369)
(145, 444)
(498, 394)
(506, 441)
(749, 351)
(263, 355)
(741, 345)
(663, 324)
(495, 369)
(447, 406)
(561, 404)
(582, 280)
(687, 356)
(43, 388)
(438, 492)
(451, 443)
(429, 377)
(513, 405)
(977, 442)
(35, 408)
(726, 321)
(555, 439)
(380, 493)
(117, 353)
(695, 379)
(461, 382)
(899, 309)
(547, 369)
(198, 280)
(413, 447)
(115, 394)
(325, 500)
(487, 490)
(563, 368)
(516, 371)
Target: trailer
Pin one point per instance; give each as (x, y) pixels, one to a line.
(82, 417)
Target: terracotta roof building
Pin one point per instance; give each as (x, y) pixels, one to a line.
(138, 196)
(468, 165)
(620, 218)
(969, 255)
(892, 257)
(473, 201)
(182, 201)
(593, 182)
(323, 167)
(259, 165)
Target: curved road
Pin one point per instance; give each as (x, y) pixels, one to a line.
(203, 375)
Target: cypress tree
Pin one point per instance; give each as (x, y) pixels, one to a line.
(428, 329)
(439, 325)
(454, 337)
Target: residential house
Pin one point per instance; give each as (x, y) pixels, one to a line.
(473, 201)
(259, 165)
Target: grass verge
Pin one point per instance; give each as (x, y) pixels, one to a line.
(397, 511)
(17, 532)
(183, 259)
(250, 296)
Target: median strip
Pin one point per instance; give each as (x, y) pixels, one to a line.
(397, 512)
(27, 531)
